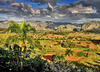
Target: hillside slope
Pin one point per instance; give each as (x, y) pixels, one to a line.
(91, 26)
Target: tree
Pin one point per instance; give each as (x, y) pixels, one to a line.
(69, 44)
(21, 31)
(65, 44)
(68, 52)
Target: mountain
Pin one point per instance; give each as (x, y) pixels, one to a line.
(66, 27)
(39, 25)
(53, 25)
(4, 24)
(91, 26)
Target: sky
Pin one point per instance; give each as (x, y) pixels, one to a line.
(36, 4)
(77, 11)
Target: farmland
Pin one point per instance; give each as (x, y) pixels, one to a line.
(53, 45)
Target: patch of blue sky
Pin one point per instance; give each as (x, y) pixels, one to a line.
(36, 4)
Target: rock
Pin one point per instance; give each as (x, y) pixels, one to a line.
(74, 39)
(93, 25)
(78, 39)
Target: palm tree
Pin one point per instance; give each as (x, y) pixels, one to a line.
(21, 31)
(68, 52)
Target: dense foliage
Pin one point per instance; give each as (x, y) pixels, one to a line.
(9, 62)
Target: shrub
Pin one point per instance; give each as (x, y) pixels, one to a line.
(72, 45)
(68, 43)
(8, 64)
(79, 42)
(58, 58)
(87, 46)
(75, 29)
(70, 37)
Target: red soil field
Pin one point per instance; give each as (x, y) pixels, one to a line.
(74, 57)
(71, 58)
(85, 43)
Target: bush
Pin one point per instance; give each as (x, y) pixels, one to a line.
(79, 42)
(8, 64)
(72, 45)
(39, 65)
(87, 46)
(58, 58)
(70, 37)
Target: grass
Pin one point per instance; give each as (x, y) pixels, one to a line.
(80, 54)
(84, 49)
(45, 41)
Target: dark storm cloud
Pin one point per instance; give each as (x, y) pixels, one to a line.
(52, 2)
(93, 3)
(68, 12)
(16, 9)
(78, 10)
(5, 11)
(6, 2)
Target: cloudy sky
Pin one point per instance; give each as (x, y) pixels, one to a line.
(50, 10)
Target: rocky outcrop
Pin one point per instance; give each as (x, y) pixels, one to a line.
(38, 24)
(91, 26)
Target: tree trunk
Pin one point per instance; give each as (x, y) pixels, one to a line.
(17, 66)
(68, 60)
(21, 64)
(25, 49)
(24, 46)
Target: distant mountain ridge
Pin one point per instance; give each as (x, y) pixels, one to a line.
(39, 25)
